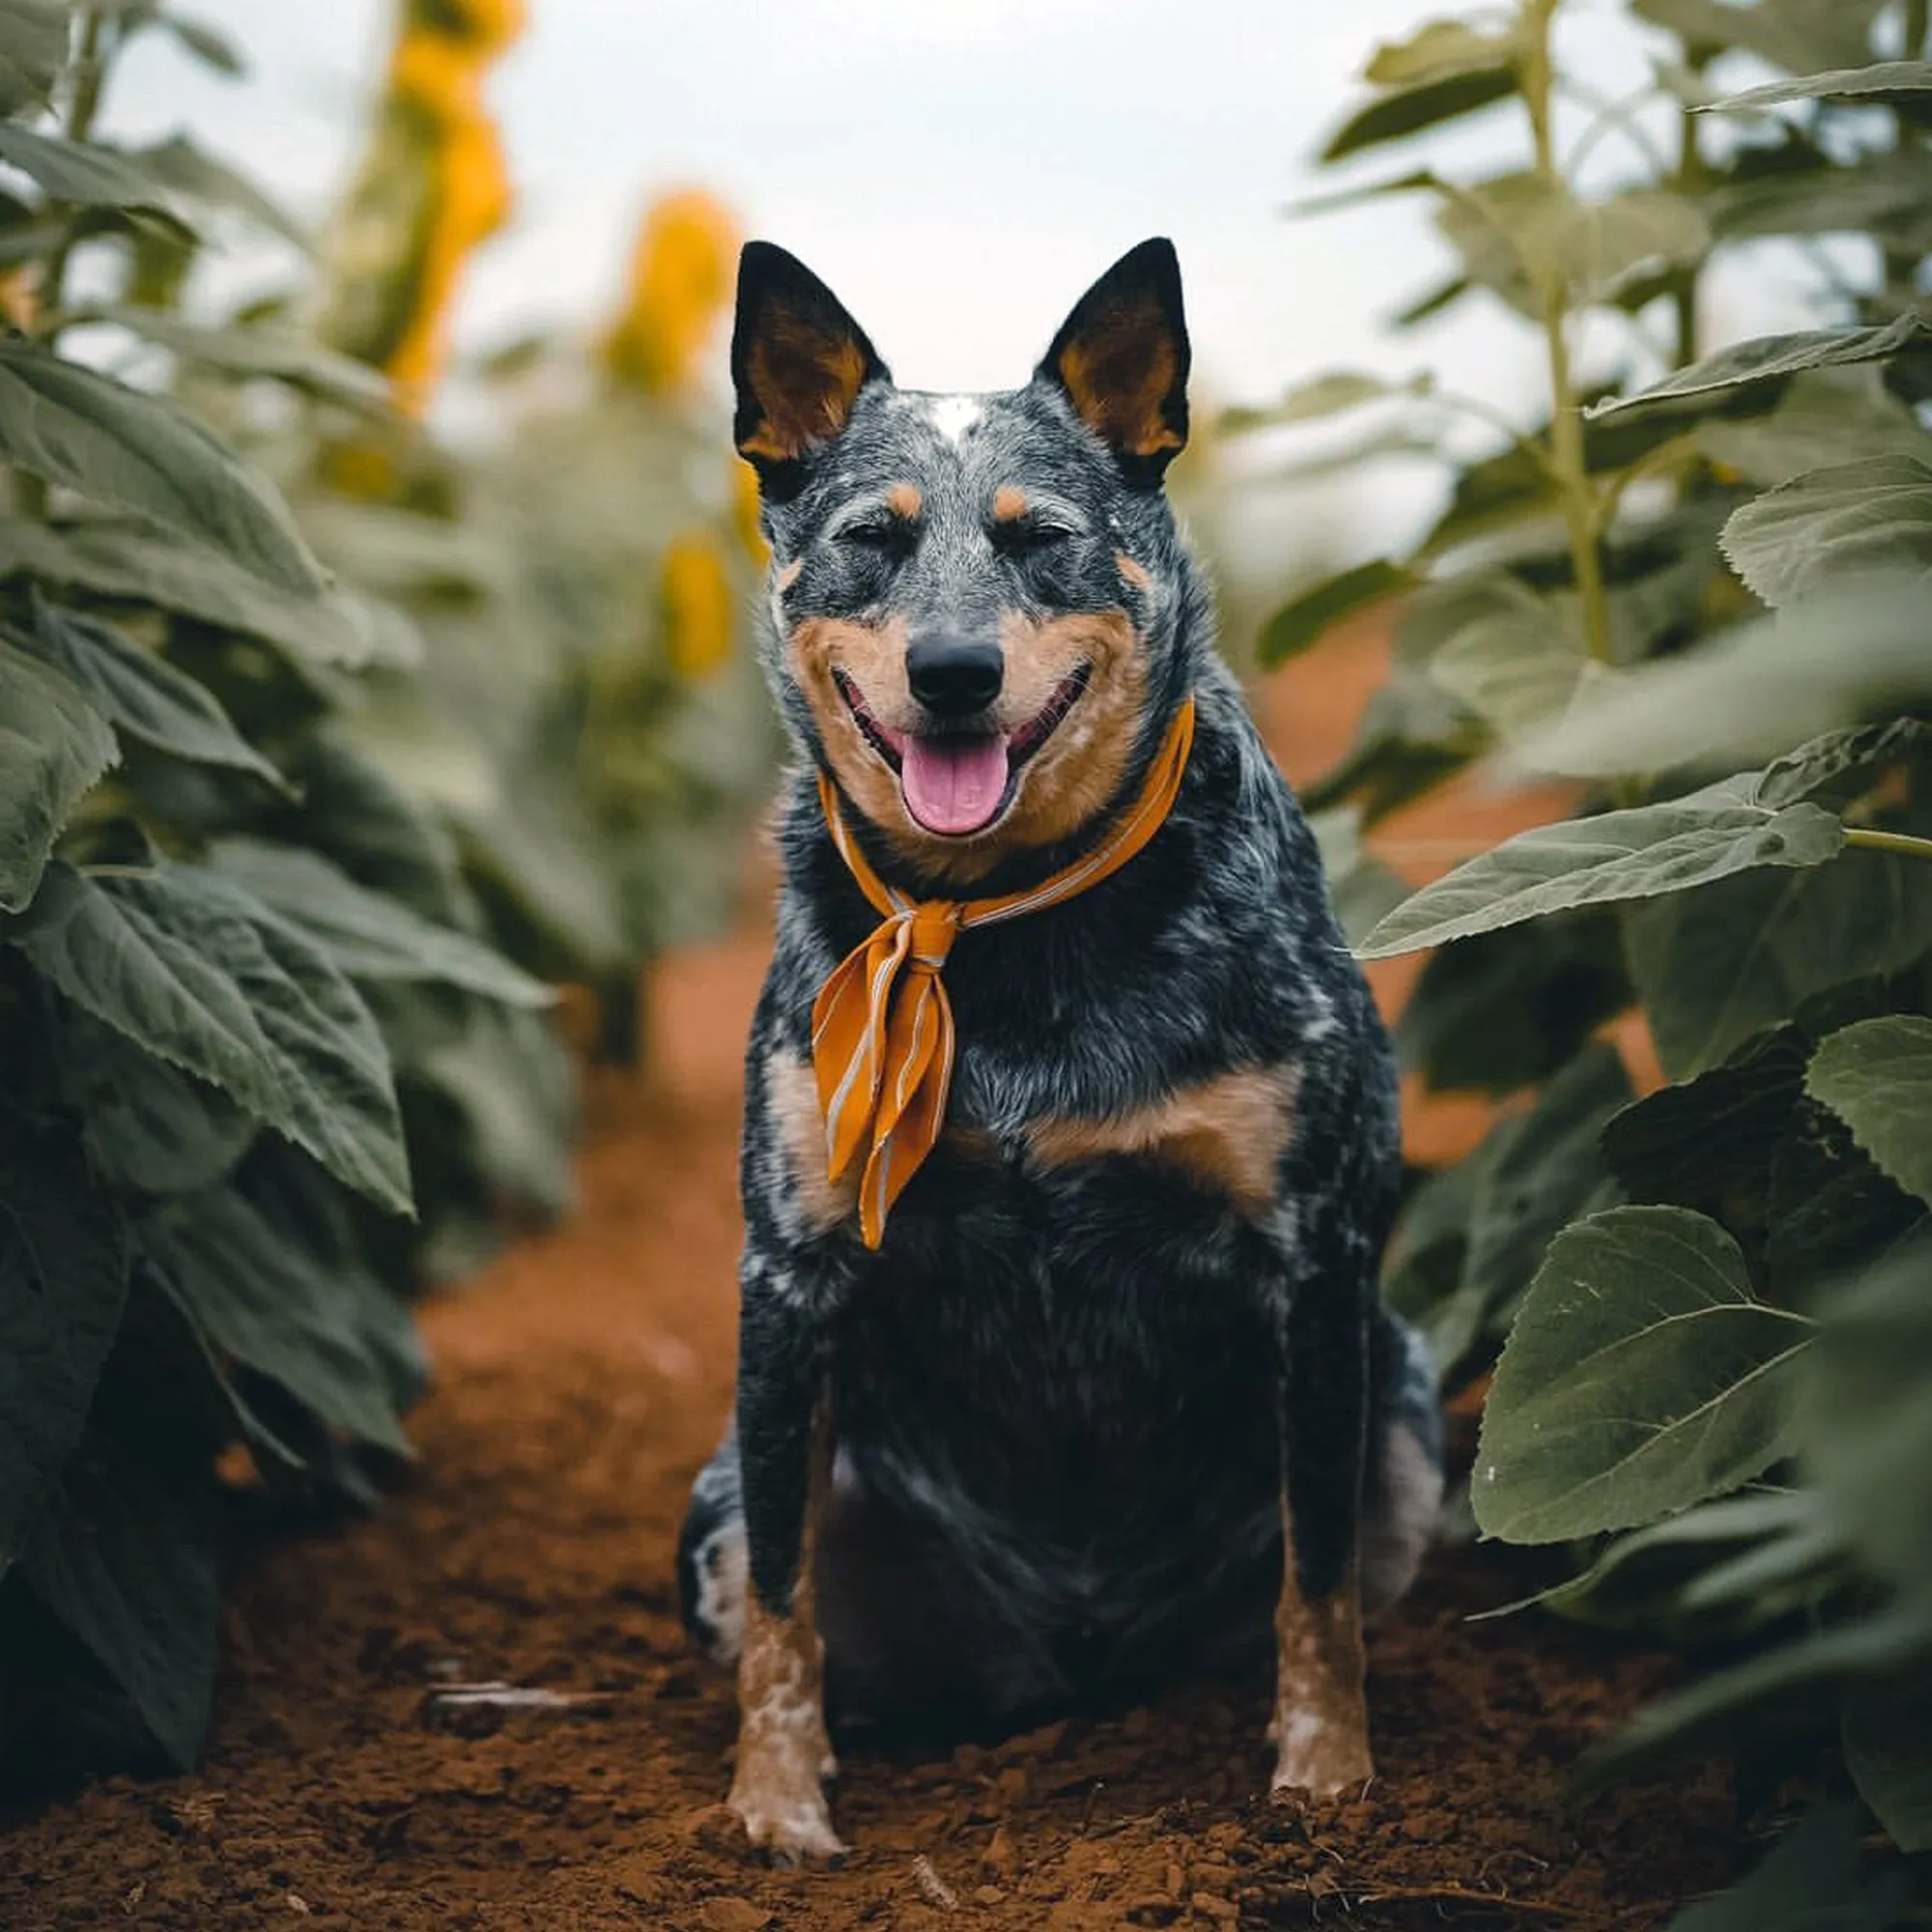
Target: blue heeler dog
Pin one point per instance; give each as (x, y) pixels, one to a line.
(1062, 1363)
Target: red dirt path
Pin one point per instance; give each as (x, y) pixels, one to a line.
(580, 1382)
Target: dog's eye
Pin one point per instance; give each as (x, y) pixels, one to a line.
(1029, 537)
(883, 533)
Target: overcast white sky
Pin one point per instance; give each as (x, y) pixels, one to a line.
(957, 169)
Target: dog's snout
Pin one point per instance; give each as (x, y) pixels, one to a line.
(952, 676)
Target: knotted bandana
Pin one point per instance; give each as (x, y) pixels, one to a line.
(882, 1028)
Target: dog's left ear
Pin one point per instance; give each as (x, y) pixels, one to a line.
(1121, 359)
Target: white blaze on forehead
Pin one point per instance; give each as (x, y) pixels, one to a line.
(953, 416)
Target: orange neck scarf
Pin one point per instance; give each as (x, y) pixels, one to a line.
(882, 1027)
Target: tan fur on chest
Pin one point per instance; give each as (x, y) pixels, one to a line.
(1229, 1132)
(791, 1094)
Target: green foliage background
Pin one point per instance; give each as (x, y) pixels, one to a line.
(1695, 589)
(322, 753)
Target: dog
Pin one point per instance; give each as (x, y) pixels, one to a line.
(1070, 1137)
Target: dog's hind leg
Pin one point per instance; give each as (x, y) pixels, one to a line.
(785, 1447)
(711, 1566)
(1403, 1479)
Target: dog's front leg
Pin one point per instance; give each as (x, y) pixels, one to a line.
(1321, 1725)
(784, 1440)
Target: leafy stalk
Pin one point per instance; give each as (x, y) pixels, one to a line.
(90, 77)
(1689, 181)
(1902, 845)
(1565, 414)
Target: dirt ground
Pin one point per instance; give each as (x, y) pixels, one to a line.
(579, 1384)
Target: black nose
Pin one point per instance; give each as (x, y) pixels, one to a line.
(952, 676)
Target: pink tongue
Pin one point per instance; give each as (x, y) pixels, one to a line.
(953, 784)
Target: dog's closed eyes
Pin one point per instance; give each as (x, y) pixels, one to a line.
(1070, 1137)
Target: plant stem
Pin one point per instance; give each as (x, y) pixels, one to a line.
(1902, 845)
(1568, 460)
(1917, 28)
(90, 75)
(1689, 183)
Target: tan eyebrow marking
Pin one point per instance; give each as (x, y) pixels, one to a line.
(1131, 571)
(904, 499)
(1009, 504)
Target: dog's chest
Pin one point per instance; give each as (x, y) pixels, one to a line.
(1083, 1357)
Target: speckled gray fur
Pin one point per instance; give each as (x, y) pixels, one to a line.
(1065, 1398)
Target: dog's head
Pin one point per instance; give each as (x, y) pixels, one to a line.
(980, 602)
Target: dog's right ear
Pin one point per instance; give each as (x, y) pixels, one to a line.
(798, 360)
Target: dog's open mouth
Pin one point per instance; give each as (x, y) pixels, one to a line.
(957, 782)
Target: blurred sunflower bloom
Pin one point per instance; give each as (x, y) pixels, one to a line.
(745, 514)
(680, 280)
(432, 185)
(695, 596)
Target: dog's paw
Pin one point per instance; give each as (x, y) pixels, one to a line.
(792, 1828)
(1318, 1759)
(779, 1800)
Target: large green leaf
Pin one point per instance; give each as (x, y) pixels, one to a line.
(1312, 614)
(1771, 357)
(53, 746)
(140, 453)
(1882, 193)
(1770, 1692)
(191, 173)
(142, 694)
(1716, 966)
(1815, 1879)
(368, 936)
(1884, 81)
(1832, 1212)
(85, 177)
(1516, 661)
(1641, 853)
(1640, 1377)
(1825, 417)
(1877, 1078)
(126, 1558)
(1399, 112)
(1655, 1582)
(200, 973)
(1888, 1744)
(1851, 651)
(1708, 1142)
(1439, 51)
(1867, 1415)
(63, 1282)
(296, 360)
(33, 50)
(1322, 398)
(1796, 35)
(147, 1126)
(1858, 518)
(263, 1296)
(1506, 1010)
(125, 562)
(1532, 1174)
(1518, 234)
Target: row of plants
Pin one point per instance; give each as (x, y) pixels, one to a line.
(1699, 1308)
(324, 751)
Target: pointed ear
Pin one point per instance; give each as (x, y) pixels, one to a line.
(1122, 358)
(798, 360)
